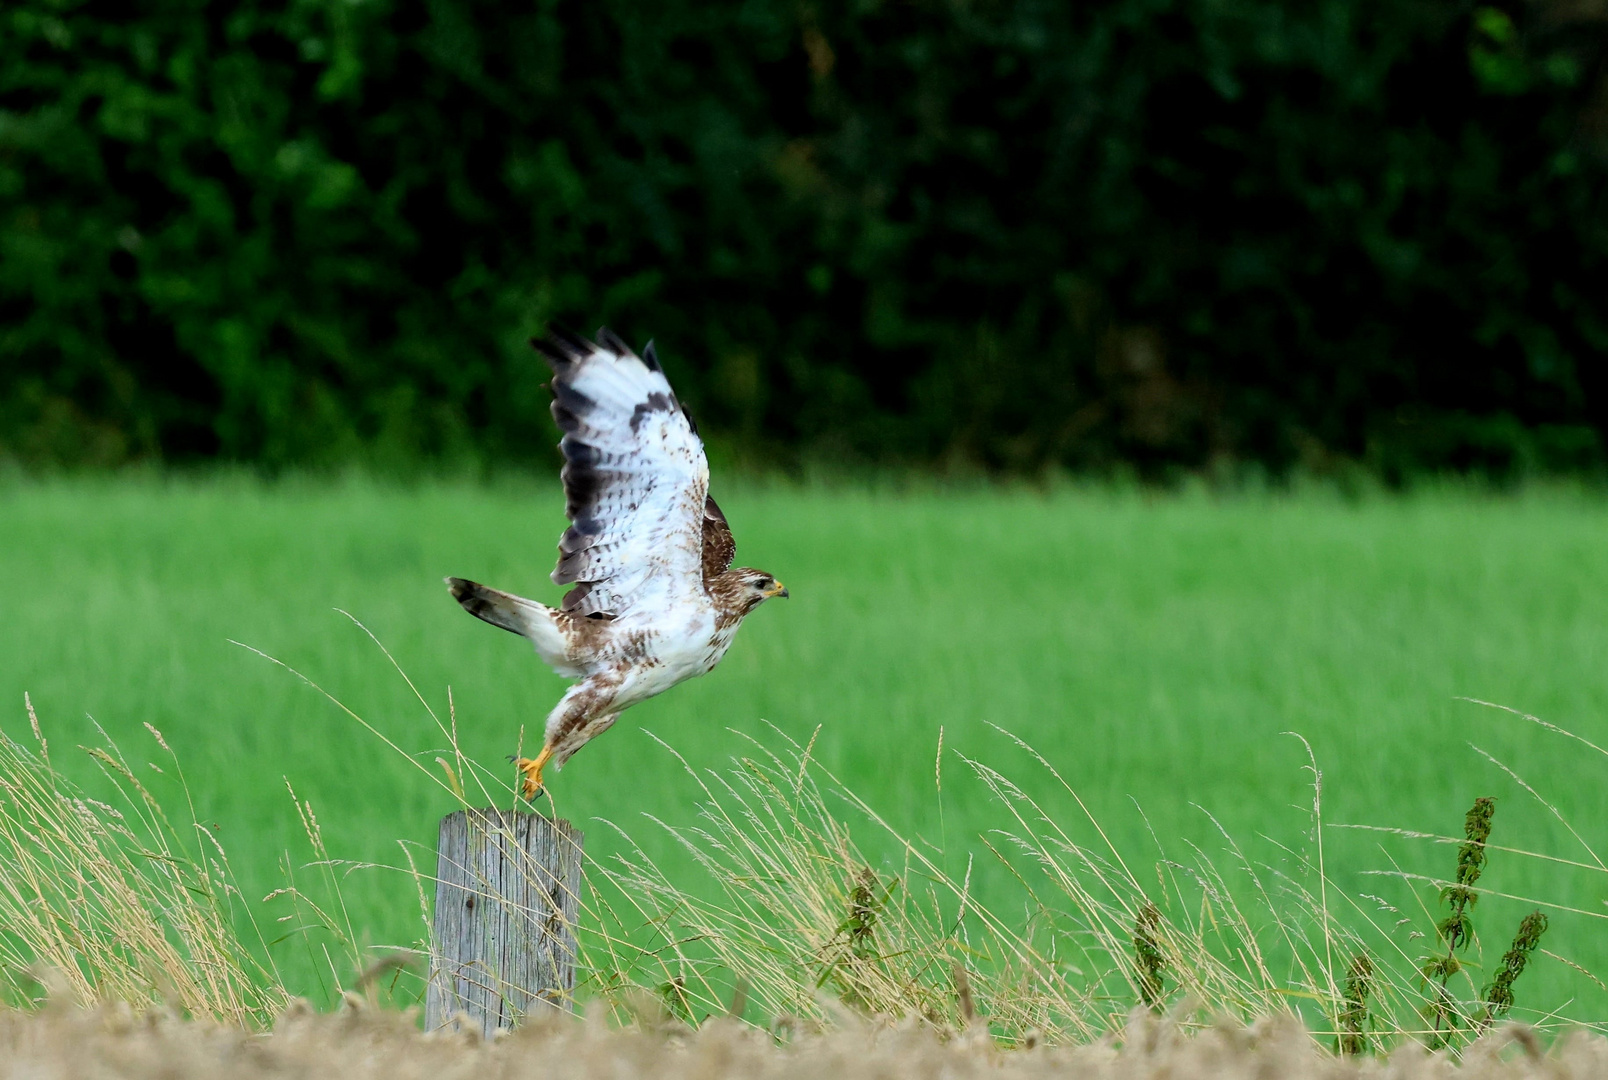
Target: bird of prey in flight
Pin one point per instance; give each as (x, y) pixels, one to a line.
(655, 598)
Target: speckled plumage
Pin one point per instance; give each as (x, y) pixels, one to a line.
(654, 601)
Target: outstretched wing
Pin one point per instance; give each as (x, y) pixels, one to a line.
(635, 477)
(719, 546)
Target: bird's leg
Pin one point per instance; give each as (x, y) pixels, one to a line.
(532, 770)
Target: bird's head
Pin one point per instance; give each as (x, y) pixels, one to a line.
(754, 587)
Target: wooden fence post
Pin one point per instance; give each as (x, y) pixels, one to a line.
(507, 890)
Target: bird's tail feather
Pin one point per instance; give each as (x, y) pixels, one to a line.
(515, 614)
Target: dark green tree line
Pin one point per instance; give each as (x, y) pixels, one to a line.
(1165, 232)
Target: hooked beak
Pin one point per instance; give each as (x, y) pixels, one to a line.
(777, 589)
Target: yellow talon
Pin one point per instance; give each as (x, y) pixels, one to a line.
(532, 770)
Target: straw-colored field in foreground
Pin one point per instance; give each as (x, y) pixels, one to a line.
(1154, 649)
(62, 1044)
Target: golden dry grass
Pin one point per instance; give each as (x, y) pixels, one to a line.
(804, 933)
(358, 1043)
(112, 903)
(803, 926)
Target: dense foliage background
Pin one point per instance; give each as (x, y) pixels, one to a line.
(1176, 233)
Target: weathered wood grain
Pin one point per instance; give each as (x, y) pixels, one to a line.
(507, 891)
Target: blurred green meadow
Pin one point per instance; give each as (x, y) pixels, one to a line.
(1155, 648)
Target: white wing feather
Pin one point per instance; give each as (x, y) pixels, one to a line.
(635, 477)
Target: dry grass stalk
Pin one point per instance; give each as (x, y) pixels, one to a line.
(117, 903)
(805, 931)
(1247, 941)
(788, 869)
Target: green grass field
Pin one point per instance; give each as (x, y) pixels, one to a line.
(1154, 648)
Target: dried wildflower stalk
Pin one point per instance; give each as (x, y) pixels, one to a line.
(1498, 994)
(1353, 1019)
(1456, 930)
(1149, 963)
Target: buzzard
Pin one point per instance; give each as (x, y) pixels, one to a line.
(655, 600)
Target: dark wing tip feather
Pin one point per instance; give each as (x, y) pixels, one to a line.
(562, 348)
(650, 357)
(460, 588)
(613, 342)
(581, 455)
(571, 398)
(581, 486)
(567, 421)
